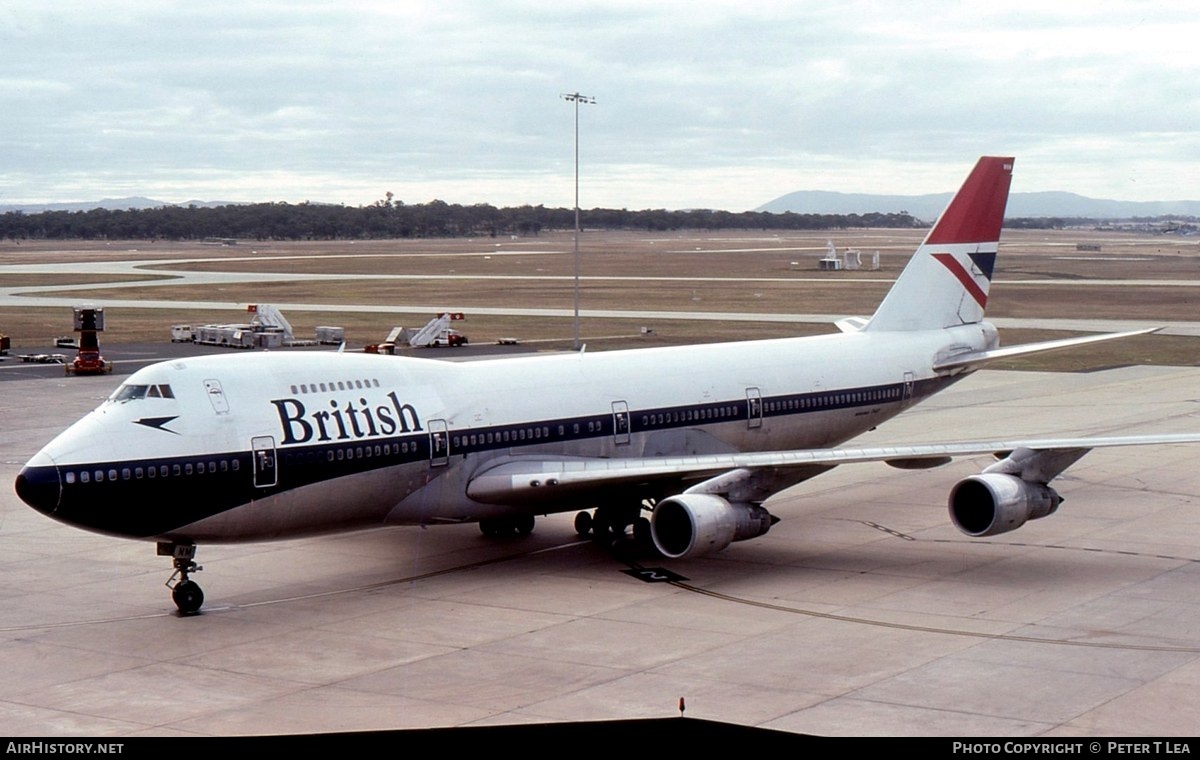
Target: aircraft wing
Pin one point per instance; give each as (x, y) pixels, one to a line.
(975, 359)
(522, 480)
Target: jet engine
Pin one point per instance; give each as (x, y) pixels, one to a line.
(695, 524)
(993, 503)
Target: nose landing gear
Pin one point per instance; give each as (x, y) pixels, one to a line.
(186, 593)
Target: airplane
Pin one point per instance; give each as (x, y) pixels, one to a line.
(281, 445)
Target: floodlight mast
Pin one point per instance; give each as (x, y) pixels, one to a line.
(576, 98)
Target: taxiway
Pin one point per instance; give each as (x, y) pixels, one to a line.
(862, 613)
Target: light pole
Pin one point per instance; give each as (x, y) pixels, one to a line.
(576, 98)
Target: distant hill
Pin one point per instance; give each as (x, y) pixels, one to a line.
(114, 204)
(927, 207)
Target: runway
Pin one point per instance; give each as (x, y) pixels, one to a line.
(862, 613)
(57, 294)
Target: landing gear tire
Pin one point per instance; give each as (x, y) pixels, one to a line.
(188, 597)
(641, 532)
(600, 527)
(583, 524)
(519, 525)
(185, 592)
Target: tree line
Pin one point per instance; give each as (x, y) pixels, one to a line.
(393, 219)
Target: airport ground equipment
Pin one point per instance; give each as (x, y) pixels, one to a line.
(89, 321)
(266, 328)
(436, 333)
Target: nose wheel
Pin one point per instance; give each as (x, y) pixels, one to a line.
(185, 592)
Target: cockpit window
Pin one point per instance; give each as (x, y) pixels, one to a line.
(129, 392)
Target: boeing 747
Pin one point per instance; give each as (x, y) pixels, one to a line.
(279, 445)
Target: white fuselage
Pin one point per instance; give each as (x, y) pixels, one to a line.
(247, 447)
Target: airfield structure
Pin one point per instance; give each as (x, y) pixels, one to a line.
(850, 260)
(830, 262)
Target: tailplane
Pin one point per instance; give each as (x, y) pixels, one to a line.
(946, 282)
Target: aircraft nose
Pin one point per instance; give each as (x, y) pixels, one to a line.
(38, 484)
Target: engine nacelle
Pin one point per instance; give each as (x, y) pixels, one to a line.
(993, 503)
(695, 524)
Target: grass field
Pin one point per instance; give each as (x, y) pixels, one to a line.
(1039, 274)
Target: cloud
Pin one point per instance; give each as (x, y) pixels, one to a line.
(699, 104)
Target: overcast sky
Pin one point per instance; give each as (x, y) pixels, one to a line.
(698, 103)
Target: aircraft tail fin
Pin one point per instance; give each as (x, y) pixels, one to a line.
(946, 282)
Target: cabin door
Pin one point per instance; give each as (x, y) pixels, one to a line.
(754, 408)
(439, 444)
(620, 412)
(262, 450)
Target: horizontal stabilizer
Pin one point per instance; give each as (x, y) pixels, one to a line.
(976, 359)
(851, 324)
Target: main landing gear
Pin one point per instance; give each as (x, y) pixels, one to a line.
(186, 593)
(611, 524)
(516, 525)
